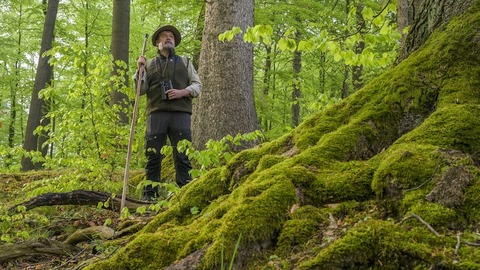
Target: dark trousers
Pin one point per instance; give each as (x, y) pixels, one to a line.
(175, 126)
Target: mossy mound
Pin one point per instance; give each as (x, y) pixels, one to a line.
(377, 244)
(407, 143)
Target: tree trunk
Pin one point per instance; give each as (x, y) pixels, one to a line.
(345, 86)
(423, 17)
(119, 46)
(226, 105)
(346, 71)
(199, 36)
(357, 71)
(34, 142)
(296, 92)
(267, 69)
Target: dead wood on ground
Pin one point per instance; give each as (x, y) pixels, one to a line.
(80, 197)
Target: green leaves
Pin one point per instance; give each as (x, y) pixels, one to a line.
(285, 44)
(229, 34)
(216, 153)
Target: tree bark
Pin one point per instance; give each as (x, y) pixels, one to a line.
(34, 142)
(423, 17)
(357, 71)
(267, 70)
(119, 46)
(226, 105)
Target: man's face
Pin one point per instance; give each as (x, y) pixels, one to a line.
(167, 39)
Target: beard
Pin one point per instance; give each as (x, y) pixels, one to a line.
(167, 45)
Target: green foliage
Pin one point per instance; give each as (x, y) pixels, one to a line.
(327, 38)
(21, 226)
(216, 152)
(230, 34)
(83, 129)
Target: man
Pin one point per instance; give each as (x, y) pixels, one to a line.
(170, 82)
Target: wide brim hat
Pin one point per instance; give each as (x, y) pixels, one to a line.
(170, 28)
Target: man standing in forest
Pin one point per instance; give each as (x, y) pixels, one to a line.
(170, 82)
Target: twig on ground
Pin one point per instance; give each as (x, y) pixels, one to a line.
(422, 221)
(71, 259)
(457, 248)
(428, 180)
(471, 244)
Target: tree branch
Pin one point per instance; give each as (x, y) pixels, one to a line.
(80, 197)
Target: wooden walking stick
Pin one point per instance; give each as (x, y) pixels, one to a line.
(141, 69)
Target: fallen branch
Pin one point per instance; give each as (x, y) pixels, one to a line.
(90, 233)
(80, 197)
(41, 246)
(422, 221)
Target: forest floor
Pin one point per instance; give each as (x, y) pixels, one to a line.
(55, 223)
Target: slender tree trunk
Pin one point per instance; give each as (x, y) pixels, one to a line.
(322, 75)
(296, 92)
(266, 87)
(357, 71)
(345, 86)
(119, 46)
(34, 142)
(226, 105)
(346, 72)
(199, 35)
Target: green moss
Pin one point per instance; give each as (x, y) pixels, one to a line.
(255, 218)
(201, 192)
(470, 208)
(295, 232)
(300, 176)
(156, 250)
(312, 129)
(170, 215)
(434, 214)
(241, 166)
(299, 230)
(405, 166)
(379, 244)
(342, 181)
(268, 161)
(411, 198)
(346, 209)
(451, 127)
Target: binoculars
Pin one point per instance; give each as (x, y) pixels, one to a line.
(166, 85)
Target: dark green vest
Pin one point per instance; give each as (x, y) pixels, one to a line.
(159, 70)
